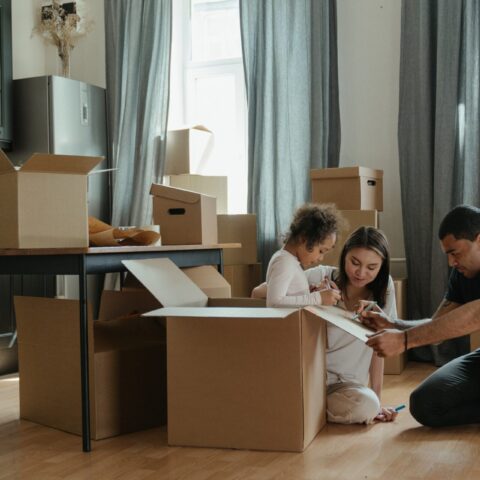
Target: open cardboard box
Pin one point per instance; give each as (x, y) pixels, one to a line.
(249, 378)
(43, 204)
(126, 357)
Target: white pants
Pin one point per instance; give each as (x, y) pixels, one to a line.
(351, 403)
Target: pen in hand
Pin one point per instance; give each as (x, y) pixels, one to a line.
(366, 309)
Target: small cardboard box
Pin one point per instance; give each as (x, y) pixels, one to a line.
(213, 186)
(187, 149)
(395, 365)
(43, 204)
(354, 219)
(350, 188)
(243, 278)
(238, 229)
(252, 378)
(185, 218)
(127, 359)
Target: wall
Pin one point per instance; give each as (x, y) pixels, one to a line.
(368, 64)
(32, 57)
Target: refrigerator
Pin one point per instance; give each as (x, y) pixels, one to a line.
(58, 115)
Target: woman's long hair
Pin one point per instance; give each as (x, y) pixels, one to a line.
(373, 239)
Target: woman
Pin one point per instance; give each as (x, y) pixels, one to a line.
(363, 275)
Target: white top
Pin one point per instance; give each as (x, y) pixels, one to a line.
(348, 358)
(287, 283)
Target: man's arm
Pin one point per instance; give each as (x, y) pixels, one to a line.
(450, 321)
(444, 307)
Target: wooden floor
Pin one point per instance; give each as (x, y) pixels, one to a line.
(401, 450)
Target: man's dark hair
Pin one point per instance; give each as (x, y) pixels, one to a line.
(463, 222)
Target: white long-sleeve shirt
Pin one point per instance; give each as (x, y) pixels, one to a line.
(287, 283)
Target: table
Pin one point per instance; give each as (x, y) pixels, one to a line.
(97, 260)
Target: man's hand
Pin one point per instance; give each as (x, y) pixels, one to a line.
(376, 318)
(387, 343)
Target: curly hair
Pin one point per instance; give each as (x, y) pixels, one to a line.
(373, 239)
(313, 223)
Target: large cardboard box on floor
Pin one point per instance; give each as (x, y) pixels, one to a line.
(238, 229)
(43, 204)
(251, 378)
(395, 365)
(350, 188)
(127, 359)
(213, 186)
(185, 218)
(353, 219)
(243, 278)
(187, 149)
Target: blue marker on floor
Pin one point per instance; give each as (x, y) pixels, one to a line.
(400, 407)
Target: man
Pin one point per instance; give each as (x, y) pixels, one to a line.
(451, 395)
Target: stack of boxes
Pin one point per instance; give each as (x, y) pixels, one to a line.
(193, 209)
(358, 194)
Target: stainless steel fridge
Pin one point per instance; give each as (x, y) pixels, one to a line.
(58, 115)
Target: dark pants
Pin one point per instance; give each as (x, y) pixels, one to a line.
(451, 395)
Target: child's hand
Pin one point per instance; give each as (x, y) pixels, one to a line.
(330, 297)
(386, 414)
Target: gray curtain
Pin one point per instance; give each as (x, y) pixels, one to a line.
(290, 61)
(138, 41)
(438, 137)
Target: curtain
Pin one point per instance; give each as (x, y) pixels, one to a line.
(438, 137)
(138, 41)
(290, 61)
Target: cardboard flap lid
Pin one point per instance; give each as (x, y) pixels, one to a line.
(5, 163)
(167, 283)
(346, 172)
(178, 194)
(222, 312)
(203, 128)
(49, 163)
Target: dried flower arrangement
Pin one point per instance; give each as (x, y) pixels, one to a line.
(60, 24)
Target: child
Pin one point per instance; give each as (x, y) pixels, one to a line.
(312, 233)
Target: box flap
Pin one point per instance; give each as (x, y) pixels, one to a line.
(222, 312)
(167, 283)
(49, 163)
(342, 319)
(177, 194)
(209, 280)
(346, 172)
(5, 163)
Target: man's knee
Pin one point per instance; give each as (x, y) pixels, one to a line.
(424, 407)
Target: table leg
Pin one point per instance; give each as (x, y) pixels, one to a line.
(82, 281)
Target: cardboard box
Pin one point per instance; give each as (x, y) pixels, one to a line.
(395, 365)
(185, 218)
(127, 369)
(43, 204)
(238, 229)
(354, 219)
(350, 188)
(251, 378)
(243, 278)
(213, 186)
(187, 149)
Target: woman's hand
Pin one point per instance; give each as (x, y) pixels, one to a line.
(376, 318)
(386, 414)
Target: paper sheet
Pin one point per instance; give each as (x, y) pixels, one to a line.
(342, 319)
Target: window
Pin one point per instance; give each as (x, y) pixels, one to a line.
(213, 93)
